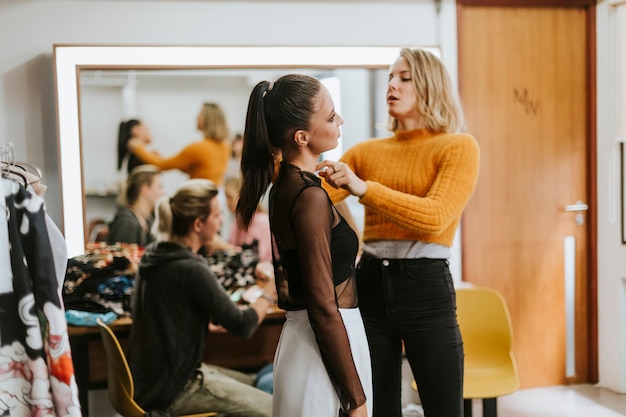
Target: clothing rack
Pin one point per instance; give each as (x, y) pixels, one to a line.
(7, 157)
(34, 343)
(26, 173)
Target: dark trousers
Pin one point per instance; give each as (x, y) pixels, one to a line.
(412, 300)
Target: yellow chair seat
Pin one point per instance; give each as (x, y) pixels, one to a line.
(119, 378)
(489, 382)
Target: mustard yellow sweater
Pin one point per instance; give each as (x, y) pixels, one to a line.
(207, 158)
(418, 184)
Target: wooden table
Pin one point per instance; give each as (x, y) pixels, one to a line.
(225, 349)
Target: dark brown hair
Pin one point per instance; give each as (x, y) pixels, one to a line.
(275, 112)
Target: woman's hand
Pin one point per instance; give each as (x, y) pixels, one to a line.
(134, 143)
(264, 273)
(217, 328)
(339, 175)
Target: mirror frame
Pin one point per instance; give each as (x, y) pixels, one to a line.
(69, 60)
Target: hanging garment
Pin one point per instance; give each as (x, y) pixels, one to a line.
(36, 369)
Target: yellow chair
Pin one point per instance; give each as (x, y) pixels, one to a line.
(120, 380)
(490, 368)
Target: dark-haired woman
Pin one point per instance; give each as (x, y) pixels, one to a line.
(132, 128)
(322, 365)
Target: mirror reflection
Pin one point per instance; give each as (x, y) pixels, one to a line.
(169, 103)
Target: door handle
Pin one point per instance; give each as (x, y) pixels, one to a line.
(577, 206)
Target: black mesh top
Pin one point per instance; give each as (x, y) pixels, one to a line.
(317, 250)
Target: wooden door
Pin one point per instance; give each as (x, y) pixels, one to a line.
(525, 82)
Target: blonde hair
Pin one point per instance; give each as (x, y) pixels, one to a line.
(438, 103)
(214, 122)
(162, 226)
(233, 181)
(190, 202)
(138, 177)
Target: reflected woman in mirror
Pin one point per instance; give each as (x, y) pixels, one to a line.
(132, 221)
(207, 158)
(322, 366)
(234, 163)
(129, 129)
(414, 186)
(259, 228)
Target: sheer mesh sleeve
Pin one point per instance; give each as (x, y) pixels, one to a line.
(304, 219)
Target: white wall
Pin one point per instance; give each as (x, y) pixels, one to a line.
(611, 251)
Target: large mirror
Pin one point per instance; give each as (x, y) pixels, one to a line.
(167, 101)
(98, 86)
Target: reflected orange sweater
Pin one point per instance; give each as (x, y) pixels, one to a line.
(418, 184)
(207, 158)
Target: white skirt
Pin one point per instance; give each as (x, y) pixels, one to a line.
(302, 386)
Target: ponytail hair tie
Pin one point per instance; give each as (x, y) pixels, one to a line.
(269, 88)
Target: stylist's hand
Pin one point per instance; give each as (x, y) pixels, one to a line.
(134, 143)
(359, 411)
(339, 175)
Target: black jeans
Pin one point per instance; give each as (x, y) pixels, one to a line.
(412, 300)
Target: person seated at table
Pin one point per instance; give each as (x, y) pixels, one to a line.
(133, 220)
(176, 299)
(259, 228)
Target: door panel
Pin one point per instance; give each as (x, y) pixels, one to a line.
(524, 85)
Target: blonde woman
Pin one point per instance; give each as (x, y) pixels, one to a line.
(133, 220)
(414, 186)
(207, 158)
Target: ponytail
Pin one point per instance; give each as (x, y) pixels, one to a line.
(122, 138)
(276, 111)
(257, 163)
(124, 133)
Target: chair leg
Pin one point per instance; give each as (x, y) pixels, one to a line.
(490, 408)
(467, 407)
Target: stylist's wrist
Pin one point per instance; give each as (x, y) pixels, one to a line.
(360, 189)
